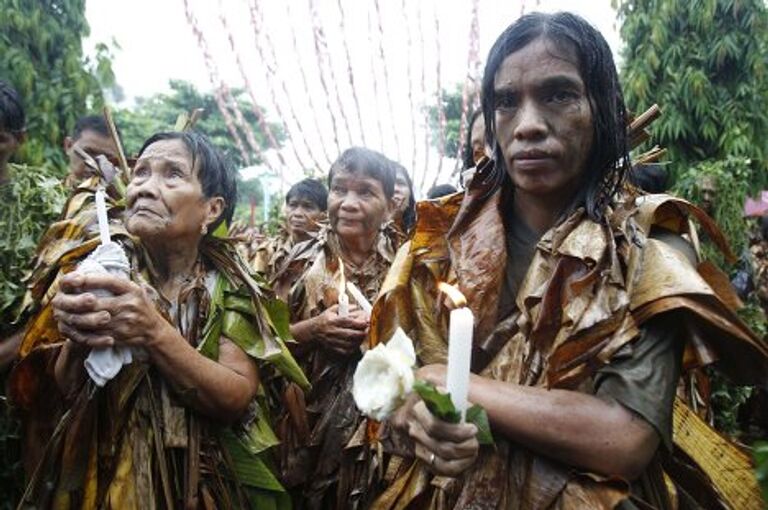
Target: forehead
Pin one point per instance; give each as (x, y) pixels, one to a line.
(478, 127)
(355, 179)
(536, 62)
(93, 139)
(171, 150)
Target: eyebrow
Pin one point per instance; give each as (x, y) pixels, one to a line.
(550, 82)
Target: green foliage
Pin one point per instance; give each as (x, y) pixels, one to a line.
(160, 111)
(31, 200)
(41, 55)
(730, 178)
(441, 405)
(703, 62)
(451, 105)
(760, 453)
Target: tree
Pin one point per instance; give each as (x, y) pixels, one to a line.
(41, 54)
(451, 105)
(703, 62)
(249, 194)
(160, 111)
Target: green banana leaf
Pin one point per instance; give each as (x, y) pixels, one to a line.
(252, 470)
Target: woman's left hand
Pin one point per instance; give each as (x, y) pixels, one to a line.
(127, 317)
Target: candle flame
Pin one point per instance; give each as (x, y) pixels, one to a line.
(453, 294)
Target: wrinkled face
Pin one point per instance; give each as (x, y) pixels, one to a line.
(165, 200)
(402, 193)
(477, 139)
(543, 120)
(357, 205)
(302, 217)
(92, 143)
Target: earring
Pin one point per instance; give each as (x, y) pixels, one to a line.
(204, 229)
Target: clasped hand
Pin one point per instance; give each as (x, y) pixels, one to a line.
(448, 449)
(342, 335)
(127, 317)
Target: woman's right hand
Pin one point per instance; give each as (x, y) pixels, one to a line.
(342, 335)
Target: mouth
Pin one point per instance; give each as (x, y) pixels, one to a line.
(531, 159)
(144, 210)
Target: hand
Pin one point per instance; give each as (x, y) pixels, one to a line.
(448, 449)
(342, 335)
(127, 317)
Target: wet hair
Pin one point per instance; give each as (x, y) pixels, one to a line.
(608, 161)
(311, 189)
(359, 160)
(215, 173)
(441, 190)
(650, 177)
(95, 123)
(409, 214)
(12, 115)
(468, 157)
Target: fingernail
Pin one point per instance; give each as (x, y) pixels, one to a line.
(105, 317)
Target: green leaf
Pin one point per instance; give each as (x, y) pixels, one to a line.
(251, 469)
(438, 403)
(477, 416)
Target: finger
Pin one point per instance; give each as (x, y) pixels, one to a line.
(440, 465)
(75, 303)
(351, 323)
(83, 321)
(104, 281)
(85, 338)
(442, 430)
(446, 449)
(347, 335)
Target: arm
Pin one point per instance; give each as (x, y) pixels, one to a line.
(222, 389)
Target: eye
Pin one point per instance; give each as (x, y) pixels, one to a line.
(337, 189)
(506, 101)
(563, 96)
(140, 171)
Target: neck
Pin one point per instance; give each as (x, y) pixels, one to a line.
(173, 266)
(539, 213)
(358, 249)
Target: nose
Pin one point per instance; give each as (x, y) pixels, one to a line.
(531, 124)
(143, 188)
(350, 202)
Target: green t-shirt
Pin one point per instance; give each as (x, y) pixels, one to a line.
(30, 200)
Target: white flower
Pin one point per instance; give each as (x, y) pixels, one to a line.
(384, 377)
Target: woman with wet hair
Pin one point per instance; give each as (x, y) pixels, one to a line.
(584, 299)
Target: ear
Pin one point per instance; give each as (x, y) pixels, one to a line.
(214, 209)
(68, 143)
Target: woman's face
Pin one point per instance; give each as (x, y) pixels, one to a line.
(477, 138)
(165, 199)
(357, 205)
(402, 193)
(302, 216)
(544, 121)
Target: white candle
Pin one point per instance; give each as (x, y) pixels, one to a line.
(359, 298)
(459, 357)
(101, 215)
(343, 298)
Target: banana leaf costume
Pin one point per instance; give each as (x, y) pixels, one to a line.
(272, 253)
(324, 459)
(133, 443)
(586, 298)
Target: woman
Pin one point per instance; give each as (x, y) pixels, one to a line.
(305, 211)
(404, 211)
(321, 460)
(186, 424)
(582, 298)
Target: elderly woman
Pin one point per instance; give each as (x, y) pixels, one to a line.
(319, 461)
(305, 209)
(584, 299)
(185, 424)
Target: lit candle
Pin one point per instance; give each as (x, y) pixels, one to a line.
(359, 297)
(101, 215)
(459, 348)
(343, 298)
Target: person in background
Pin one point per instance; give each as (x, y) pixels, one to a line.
(320, 462)
(441, 190)
(403, 218)
(476, 148)
(91, 135)
(305, 208)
